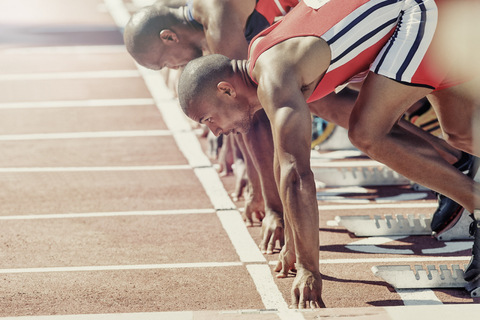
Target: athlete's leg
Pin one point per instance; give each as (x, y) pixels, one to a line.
(374, 130)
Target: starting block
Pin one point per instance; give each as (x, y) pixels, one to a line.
(365, 226)
(403, 277)
(358, 176)
(460, 231)
(474, 288)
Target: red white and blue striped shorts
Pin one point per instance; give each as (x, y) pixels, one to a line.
(407, 56)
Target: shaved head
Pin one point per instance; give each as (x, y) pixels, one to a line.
(199, 80)
(143, 29)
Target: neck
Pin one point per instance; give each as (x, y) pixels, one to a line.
(240, 68)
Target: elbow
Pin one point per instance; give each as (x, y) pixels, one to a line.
(295, 177)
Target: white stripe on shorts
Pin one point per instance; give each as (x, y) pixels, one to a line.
(361, 29)
(403, 53)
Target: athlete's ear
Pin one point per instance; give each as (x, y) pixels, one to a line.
(227, 88)
(168, 36)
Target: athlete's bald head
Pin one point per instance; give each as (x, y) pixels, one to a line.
(199, 80)
(142, 32)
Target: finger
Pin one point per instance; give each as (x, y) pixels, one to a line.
(295, 296)
(282, 268)
(271, 243)
(320, 303)
(304, 300)
(278, 267)
(263, 245)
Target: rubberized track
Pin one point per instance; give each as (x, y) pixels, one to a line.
(109, 205)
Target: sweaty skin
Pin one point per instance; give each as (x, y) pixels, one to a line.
(223, 32)
(286, 74)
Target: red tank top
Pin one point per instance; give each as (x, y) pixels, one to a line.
(305, 21)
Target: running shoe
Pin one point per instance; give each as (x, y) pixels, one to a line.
(448, 211)
(472, 272)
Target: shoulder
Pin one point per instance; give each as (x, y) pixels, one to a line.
(209, 10)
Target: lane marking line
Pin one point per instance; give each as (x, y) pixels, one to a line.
(68, 29)
(107, 214)
(124, 267)
(271, 297)
(172, 315)
(378, 206)
(389, 260)
(67, 50)
(89, 169)
(418, 297)
(82, 135)
(346, 164)
(71, 75)
(78, 103)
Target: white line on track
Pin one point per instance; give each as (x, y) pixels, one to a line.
(175, 315)
(71, 75)
(77, 103)
(73, 28)
(124, 267)
(82, 135)
(346, 164)
(107, 214)
(389, 260)
(379, 206)
(67, 50)
(88, 169)
(418, 297)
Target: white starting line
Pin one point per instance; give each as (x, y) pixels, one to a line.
(78, 103)
(71, 75)
(83, 135)
(95, 169)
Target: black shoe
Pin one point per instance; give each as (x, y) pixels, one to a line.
(447, 214)
(472, 272)
(448, 211)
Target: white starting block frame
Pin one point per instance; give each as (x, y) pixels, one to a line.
(358, 176)
(403, 277)
(366, 226)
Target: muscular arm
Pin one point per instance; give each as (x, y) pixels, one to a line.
(224, 24)
(283, 73)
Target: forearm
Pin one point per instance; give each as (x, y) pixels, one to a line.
(301, 211)
(259, 143)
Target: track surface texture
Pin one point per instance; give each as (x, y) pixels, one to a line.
(110, 209)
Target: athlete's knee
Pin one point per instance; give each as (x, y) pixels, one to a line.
(363, 137)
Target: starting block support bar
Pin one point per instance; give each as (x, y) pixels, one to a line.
(365, 226)
(403, 277)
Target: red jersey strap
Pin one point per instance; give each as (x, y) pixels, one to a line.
(272, 9)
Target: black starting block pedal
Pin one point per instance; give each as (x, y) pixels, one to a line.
(459, 231)
(473, 287)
